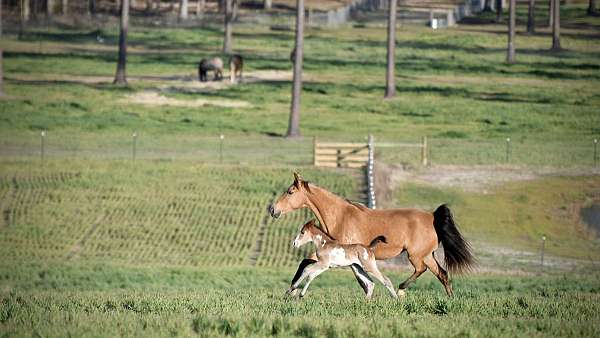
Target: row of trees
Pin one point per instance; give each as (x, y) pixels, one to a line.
(50, 8)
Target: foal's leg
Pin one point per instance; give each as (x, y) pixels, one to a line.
(420, 267)
(300, 272)
(439, 272)
(366, 283)
(371, 266)
(317, 270)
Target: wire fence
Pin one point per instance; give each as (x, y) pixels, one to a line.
(261, 150)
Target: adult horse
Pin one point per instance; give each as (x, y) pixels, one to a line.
(415, 231)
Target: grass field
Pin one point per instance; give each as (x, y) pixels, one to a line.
(178, 242)
(453, 86)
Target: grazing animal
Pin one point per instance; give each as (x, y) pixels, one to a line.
(215, 64)
(330, 254)
(415, 231)
(236, 66)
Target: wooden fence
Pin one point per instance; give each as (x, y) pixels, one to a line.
(340, 154)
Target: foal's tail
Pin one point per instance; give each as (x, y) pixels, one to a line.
(376, 241)
(457, 251)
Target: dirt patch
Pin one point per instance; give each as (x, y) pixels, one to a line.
(156, 99)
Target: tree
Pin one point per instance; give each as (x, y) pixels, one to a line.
(50, 4)
(267, 4)
(550, 13)
(25, 10)
(556, 26)
(0, 18)
(390, 84)
(487, 7)
(121, 77)
(64, 7)
(510, 53)
(498, 10)
(1, 73)
(592, 8)
(294, 123)
(92, 7)
(183, 9)
(531, 17)
(228, 18)
(200, 5)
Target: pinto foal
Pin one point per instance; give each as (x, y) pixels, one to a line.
(331, 254)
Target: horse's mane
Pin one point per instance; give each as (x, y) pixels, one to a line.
(359, 205)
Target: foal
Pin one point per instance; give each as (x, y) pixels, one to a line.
(331, 254)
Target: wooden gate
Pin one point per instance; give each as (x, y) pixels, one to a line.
(340, 154)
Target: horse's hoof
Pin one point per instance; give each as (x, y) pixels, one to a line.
(401, 293)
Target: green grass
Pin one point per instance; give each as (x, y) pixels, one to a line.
(453, 86)
(98, 300)
(516, 214)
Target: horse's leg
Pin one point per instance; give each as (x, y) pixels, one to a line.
(439, 272)
(365, 282)
(317, 270)
(372, 268)
(420, 267)
(300, 273)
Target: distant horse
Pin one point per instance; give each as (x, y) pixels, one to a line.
(415, 231)
(215, 64)
(236, 66)
(331, 254)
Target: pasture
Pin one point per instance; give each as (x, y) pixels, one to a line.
(179, 243)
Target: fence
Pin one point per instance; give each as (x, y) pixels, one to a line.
(340, 155)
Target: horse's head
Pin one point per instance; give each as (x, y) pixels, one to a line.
(295, 197)
(306, 234)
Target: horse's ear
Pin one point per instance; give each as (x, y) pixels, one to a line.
(297, 180)
(306, 186)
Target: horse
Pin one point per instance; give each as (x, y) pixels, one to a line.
(331, 253)
(417, 232)
(236, 66)
(215, 64)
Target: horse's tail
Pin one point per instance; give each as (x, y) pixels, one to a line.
(376, 241)
(457, 251)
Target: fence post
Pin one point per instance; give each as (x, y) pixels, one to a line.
(134, 146)
(370, 174)
(315, 151)
(424, 159)
(542, 253)
(507, 149)
(595, 152)
(221, 138)
(43, 145)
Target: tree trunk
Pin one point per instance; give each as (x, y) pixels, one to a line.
(64, 8)
(592, 8)
(200, 5)
(1, 73)
(49, 7)
(228, 16)
(267, 4)
(92, 7)
(222, 5)
(510, 53)
(550, 13)
(25, 13)
(498, 10)
(121, 77)
(487, 6)
(390, 83)
(556, 26)
(183, 9)
(531, 17)
(0, 18)
(294, 123)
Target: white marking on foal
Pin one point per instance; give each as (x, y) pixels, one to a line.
(365, 254)
(338, 257)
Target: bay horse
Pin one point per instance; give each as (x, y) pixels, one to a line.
(330, 254)
(417, 232)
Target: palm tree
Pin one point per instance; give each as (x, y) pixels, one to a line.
(228, 18)
(556, 26)
(390, 85)
(510, 53)
(294, 123)
(531, 17)
(121, 77)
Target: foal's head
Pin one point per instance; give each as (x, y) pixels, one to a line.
(295, 197)
(308, 233)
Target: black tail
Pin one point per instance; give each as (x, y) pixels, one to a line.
(376, 241)
(457, 251)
